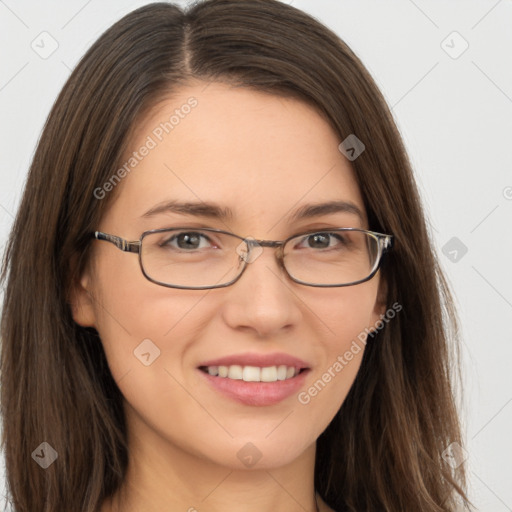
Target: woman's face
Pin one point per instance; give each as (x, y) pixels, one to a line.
(263, 158)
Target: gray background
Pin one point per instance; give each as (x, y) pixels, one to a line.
(453, 109)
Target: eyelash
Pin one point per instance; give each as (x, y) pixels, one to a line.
(207, 237)
(296, 232)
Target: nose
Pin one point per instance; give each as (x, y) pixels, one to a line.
(264, 300)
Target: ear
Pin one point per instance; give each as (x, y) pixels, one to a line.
(81, 300)
(380, 306)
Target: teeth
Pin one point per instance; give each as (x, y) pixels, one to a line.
(235, 372)
(268, 374)
(281, 372)
(253, 373)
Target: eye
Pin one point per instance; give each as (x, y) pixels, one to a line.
(322, 240)
(190, 240)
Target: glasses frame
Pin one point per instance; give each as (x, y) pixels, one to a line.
(385, 243)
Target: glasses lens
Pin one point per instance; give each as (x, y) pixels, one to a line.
(202, 259)
(191, 258)
(337, 257)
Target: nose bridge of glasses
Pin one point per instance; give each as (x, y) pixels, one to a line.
(255, 245)
(255, 248)
(265, 243)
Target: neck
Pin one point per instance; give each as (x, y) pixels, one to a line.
(229, 494)
(162, 476)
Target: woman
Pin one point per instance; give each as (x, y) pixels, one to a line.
(220, 289)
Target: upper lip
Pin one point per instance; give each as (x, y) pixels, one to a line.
(254, 359)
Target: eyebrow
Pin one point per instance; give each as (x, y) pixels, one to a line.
(214, 211)
(198, 209)
(316, 210)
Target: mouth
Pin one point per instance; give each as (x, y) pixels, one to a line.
(254, 385)
(254, 373)
(255, 379)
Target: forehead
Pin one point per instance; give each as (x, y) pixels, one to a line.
(258, 155)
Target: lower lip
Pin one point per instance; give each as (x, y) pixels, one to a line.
(257, 393)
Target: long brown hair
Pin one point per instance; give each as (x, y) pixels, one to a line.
(383, 451)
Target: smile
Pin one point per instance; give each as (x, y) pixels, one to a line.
(253, 373)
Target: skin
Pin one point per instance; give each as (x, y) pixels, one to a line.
(263, 156)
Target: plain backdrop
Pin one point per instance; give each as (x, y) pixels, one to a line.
(445, 69)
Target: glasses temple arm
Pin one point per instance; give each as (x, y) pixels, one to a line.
(119, 242)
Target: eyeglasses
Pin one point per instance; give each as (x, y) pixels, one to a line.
(204, 258)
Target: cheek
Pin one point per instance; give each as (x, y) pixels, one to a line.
(344, 315)
(342, 324)
(147, 335)
(143, 326)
